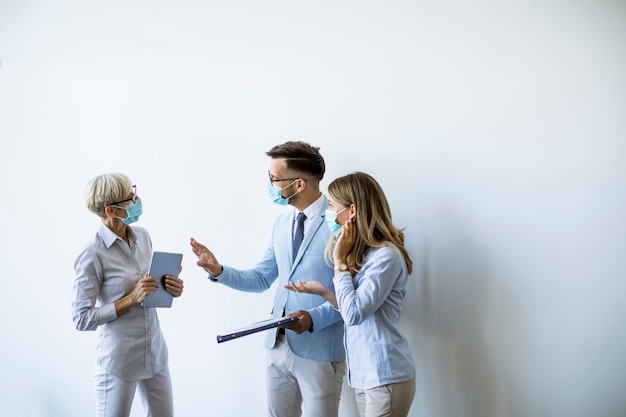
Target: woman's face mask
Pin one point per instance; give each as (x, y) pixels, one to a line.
(331, 221)
(133, 212)
(276, 193)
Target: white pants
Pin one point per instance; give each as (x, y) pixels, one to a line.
(114, 396)
(391, 400)
(296, 384)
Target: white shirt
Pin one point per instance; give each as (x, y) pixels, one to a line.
(130, 346)
(310, 212)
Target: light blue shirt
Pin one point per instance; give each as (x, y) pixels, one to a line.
(130, 346)
(370, 304)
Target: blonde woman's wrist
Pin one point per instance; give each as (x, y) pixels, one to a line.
(340, 266)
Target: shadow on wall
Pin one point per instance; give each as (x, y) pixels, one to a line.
(446, 313)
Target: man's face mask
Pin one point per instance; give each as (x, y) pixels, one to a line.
(276, 193)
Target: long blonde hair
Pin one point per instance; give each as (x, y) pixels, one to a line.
(373, 218)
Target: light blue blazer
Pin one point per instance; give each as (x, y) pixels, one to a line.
(325, 343)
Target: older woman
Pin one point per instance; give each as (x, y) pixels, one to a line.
(371, 273)
(111, 283)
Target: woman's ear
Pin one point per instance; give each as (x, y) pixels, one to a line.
(352, 211)
(109, 211)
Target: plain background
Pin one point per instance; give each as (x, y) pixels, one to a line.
(496, 128)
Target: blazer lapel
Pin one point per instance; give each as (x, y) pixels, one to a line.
(308, 236)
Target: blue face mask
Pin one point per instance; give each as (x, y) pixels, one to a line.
(331, 221)
(276, 193)
(133, 212)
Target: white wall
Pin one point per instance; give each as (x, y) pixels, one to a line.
(496, 129)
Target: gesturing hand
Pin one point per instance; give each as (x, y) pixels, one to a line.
(206, 259)
(313, 287)
(309, 287)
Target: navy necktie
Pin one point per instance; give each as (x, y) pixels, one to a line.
(299, 234)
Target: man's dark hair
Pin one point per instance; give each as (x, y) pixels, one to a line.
(301, 157)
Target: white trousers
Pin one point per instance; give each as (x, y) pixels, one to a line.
(297, 386)
(391, 400)
(114, 396)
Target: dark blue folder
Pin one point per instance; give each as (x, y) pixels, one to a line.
(255, 327)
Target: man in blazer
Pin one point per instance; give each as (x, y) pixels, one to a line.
(306, 362)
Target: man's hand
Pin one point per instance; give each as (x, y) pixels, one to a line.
(314, 287)
(206, 259)
(303, 324)
(310, 287)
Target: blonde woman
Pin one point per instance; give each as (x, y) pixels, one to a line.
(371, 272)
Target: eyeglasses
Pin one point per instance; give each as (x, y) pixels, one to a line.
(132, 198)
(273, 180)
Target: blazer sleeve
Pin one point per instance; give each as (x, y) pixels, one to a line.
(257, 279)
(323, 316)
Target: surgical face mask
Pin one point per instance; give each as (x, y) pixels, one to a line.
(331, 221)
(276, 193)
(133, 212)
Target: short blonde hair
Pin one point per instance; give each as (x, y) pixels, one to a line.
(103, 190)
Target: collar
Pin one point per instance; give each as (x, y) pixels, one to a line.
(109, 237)
(314, 208)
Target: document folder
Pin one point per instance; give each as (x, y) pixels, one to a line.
(255, 327)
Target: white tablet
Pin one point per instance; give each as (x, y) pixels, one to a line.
(163, 263)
